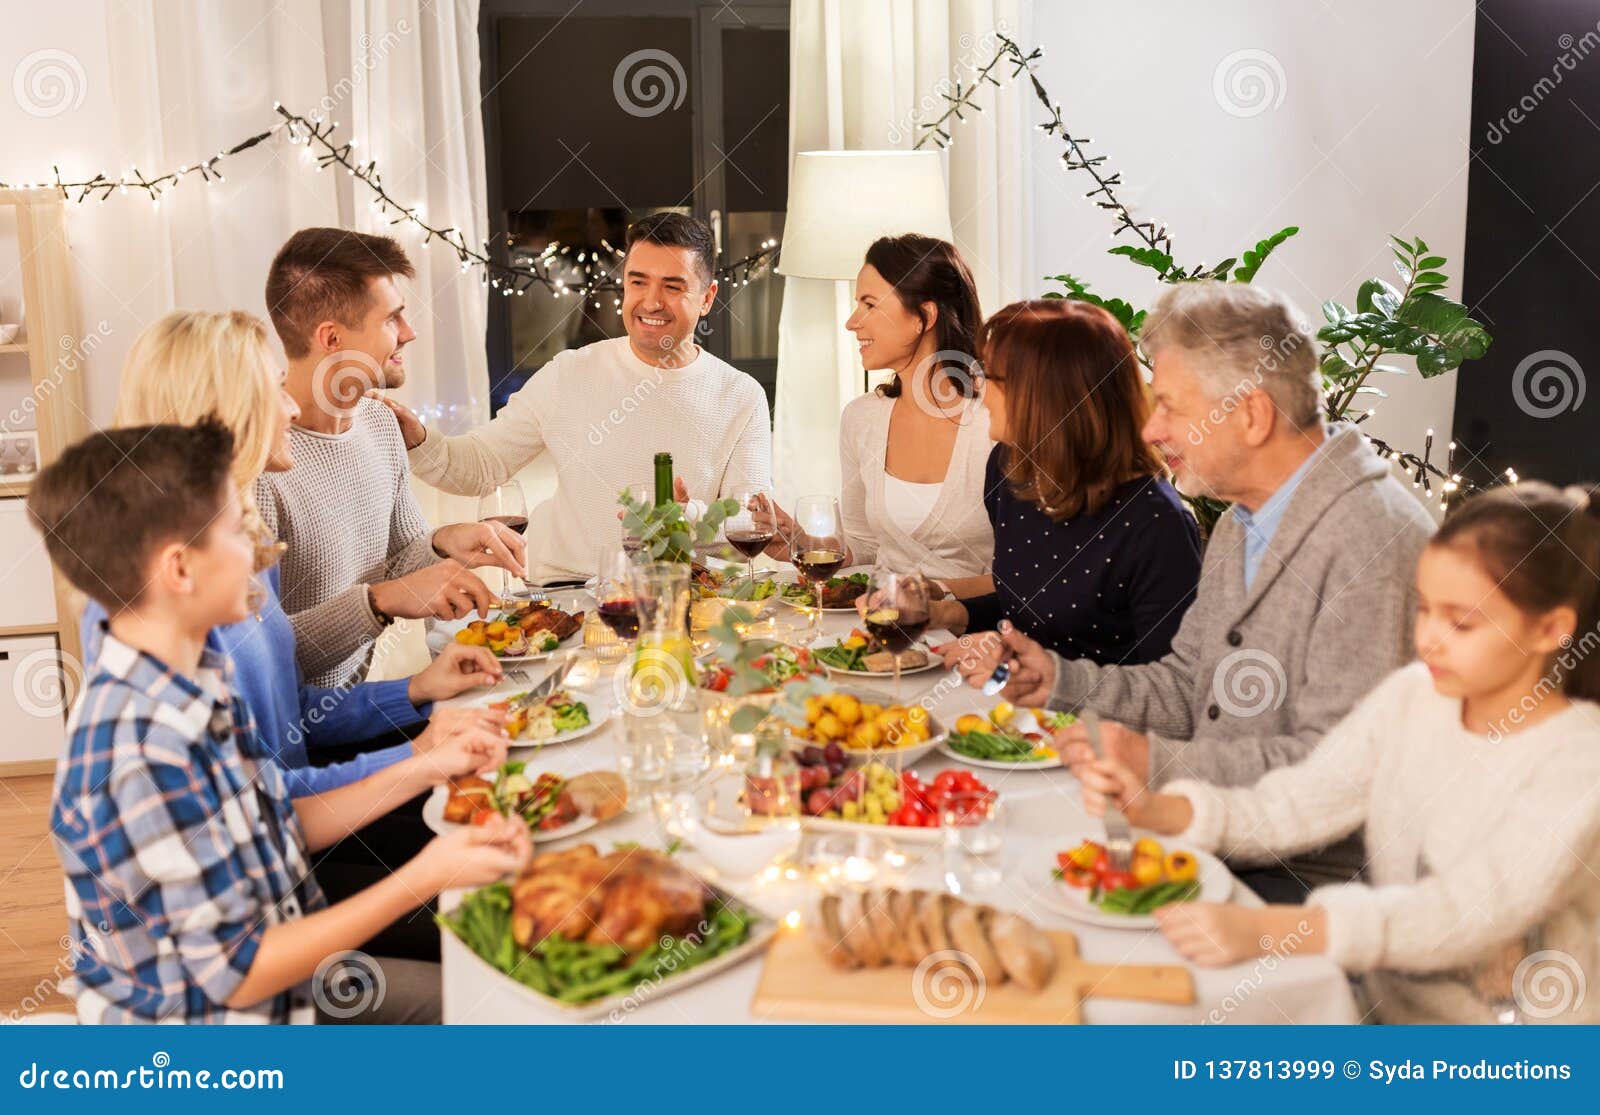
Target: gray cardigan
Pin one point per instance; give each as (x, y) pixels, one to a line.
(1255, 678)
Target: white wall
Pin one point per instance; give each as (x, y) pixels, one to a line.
(1369, 137)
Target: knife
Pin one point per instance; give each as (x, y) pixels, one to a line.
(549, 685)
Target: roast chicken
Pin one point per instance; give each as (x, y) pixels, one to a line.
(629, 898)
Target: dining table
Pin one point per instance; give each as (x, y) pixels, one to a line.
(1041, 814)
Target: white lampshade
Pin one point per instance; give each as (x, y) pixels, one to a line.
(841, 201)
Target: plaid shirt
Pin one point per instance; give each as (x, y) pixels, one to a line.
(179, 843)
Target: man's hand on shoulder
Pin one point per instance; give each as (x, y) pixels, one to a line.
(412, 431)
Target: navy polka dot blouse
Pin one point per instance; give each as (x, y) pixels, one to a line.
(1110, 587)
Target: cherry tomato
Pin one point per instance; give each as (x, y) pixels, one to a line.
(947, 780)
(1181, 867)
(1084, 854)
(1147, 870)
(1118, 880)
(1102, 862)
(1075, 876)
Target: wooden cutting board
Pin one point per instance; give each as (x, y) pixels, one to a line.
(796, 982)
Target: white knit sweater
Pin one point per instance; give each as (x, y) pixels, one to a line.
(603, 414)
(1474, 848)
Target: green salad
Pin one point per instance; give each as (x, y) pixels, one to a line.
(841, 657)
(578, 972)
(837, 592)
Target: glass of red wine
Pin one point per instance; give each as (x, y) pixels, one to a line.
(896, 613)
(817, 548)
(614, 591)
(508, 506)
(751, 528)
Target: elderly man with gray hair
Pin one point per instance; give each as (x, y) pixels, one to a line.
(1305, 598)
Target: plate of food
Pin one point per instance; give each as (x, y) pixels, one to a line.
(838, 593)
(580, 932)
(514, 632)
(1085, 887)
(1006, 738)
(554, 807)
(558, 718)
(859, 726)
(777, 663)
(858, 655)
(876, 799)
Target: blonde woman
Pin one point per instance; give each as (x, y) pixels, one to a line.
(195, 364)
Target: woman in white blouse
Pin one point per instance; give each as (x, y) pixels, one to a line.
(912, 452)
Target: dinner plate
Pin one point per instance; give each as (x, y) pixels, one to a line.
(597, 720)
(443, 633)
(996, 764)
(934, 663)
(848, 608)
(433, 817)
(1216, 885)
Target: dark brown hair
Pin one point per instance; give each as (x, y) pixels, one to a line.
(678, 230)
(321, 274)
(108, 503)
(1075, 404)
(1541, 545)
(924, 269)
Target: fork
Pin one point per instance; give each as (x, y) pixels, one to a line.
(1119, 836)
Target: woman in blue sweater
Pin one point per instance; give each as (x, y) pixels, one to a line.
(191, 365)
(1095, 555)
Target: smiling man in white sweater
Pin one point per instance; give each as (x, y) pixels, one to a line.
(603, 411)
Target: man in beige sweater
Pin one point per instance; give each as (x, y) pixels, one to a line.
(1306, 595)
(603, 411)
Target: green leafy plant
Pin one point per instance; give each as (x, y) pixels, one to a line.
(740, 654)
(667, 534)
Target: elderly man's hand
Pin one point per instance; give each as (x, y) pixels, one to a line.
(1122, 745)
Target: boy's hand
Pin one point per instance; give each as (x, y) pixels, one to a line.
(476, 855)
(412, 431)
(457, 669)
(1123, 745)
(461, 741)
(974, 657)
(476, 545)
(443, 591)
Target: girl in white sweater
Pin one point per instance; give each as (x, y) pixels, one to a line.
(1475, 771)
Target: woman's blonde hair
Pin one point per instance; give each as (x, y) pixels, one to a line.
(195, 364)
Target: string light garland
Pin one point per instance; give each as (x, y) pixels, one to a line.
(1075, 158)
(315, 136)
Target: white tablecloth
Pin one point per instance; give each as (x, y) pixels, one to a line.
(1043, 815)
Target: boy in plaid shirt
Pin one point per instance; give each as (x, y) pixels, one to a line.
(188, 886)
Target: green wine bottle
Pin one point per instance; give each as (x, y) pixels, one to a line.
(663, 478)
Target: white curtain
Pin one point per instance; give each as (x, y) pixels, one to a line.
(862, 73)
(399, 76)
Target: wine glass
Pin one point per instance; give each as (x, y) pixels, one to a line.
(817, 547)
(613, 592)
(751, 528)
(509, 506)
(631, 542)
(896, 612)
